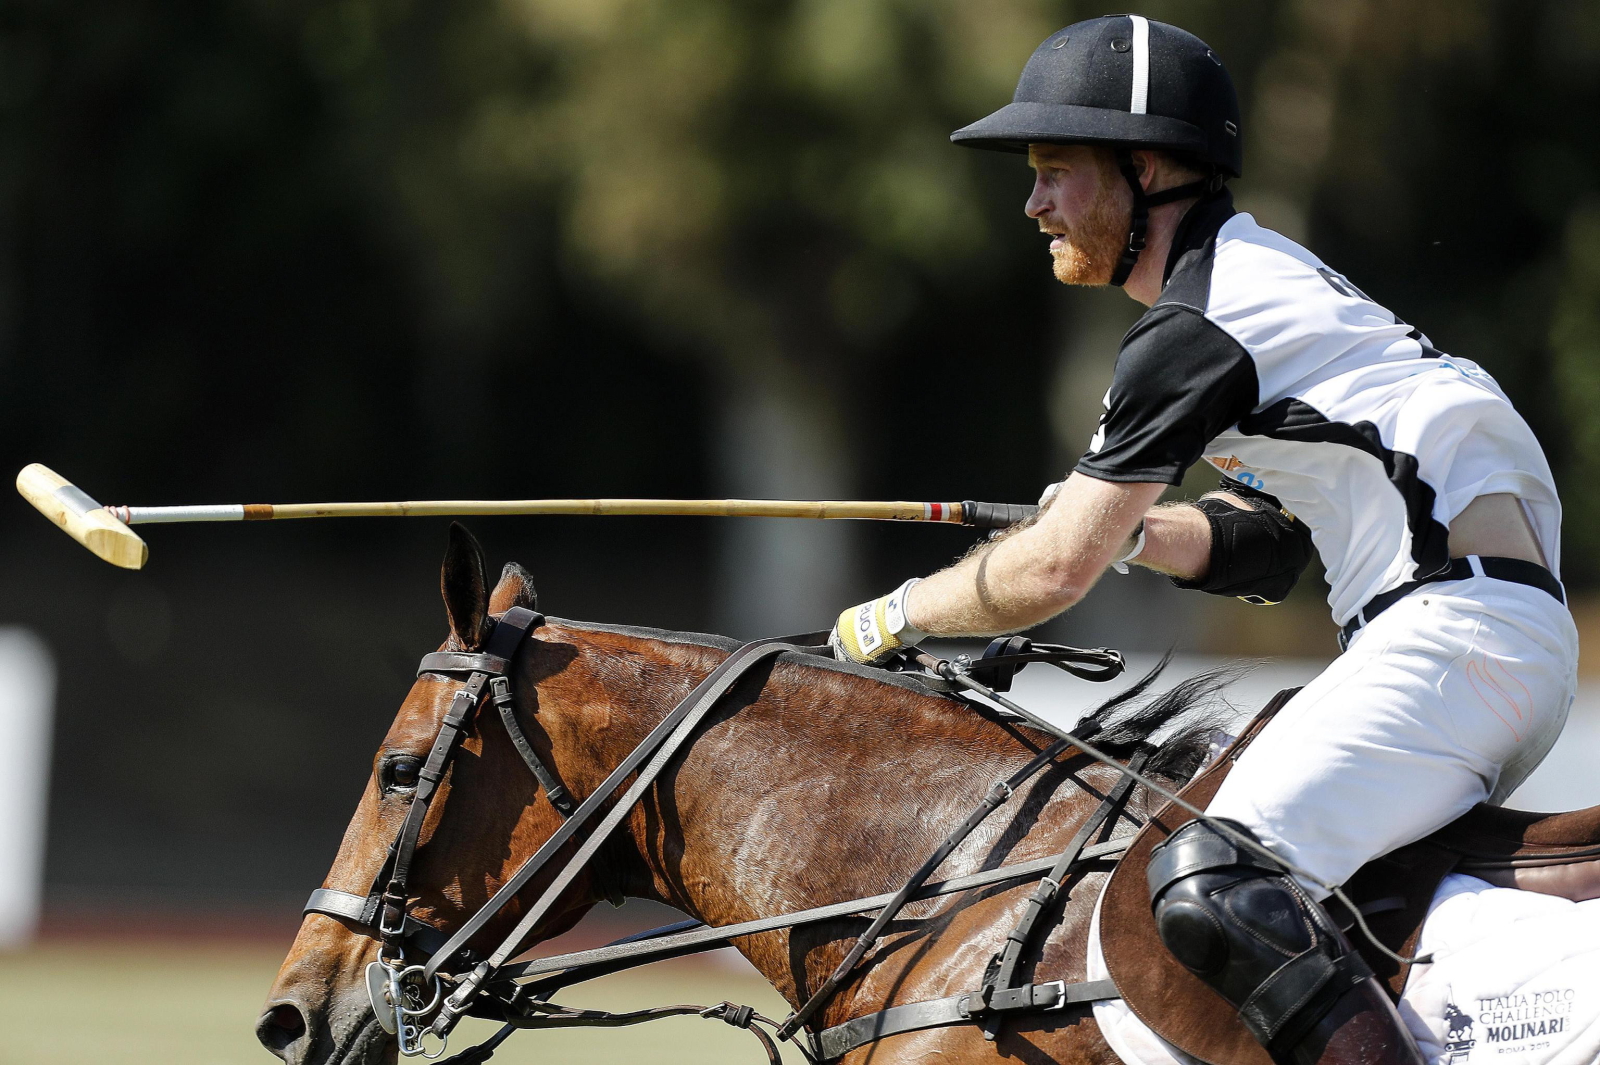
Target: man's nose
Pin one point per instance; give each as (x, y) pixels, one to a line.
(1038, 202)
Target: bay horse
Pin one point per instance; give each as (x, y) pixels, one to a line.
(810, 783)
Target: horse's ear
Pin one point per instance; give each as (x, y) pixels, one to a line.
(464, 582)
(515, 589)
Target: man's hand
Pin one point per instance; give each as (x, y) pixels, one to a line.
(874, 630)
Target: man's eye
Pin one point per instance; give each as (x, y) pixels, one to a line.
(404, 772)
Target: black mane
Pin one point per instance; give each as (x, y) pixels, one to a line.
(1129, 719)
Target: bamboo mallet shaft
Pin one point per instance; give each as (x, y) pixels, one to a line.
(105, 529)
(753, 508)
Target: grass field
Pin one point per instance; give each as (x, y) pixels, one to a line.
(80, 1003)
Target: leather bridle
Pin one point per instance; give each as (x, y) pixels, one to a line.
(404, 991)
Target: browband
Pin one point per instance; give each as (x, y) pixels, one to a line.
(462, 662)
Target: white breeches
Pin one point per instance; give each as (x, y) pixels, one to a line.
(1449, 698)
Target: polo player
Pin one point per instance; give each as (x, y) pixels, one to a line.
(1339, 429)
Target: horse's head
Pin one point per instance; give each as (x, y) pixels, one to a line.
(486, 815)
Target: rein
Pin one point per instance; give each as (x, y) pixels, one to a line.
(404, 992)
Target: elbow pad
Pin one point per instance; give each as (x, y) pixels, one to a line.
(1257, 554)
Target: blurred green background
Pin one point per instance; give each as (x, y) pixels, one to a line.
(369, 249)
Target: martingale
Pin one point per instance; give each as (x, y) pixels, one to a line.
(406, 992)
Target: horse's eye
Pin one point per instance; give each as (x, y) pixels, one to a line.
(403, 772)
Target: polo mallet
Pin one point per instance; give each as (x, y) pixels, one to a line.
(106, 531)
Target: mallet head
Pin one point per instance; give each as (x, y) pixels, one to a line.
(81, 517)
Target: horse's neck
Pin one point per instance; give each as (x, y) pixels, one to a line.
(827, 786)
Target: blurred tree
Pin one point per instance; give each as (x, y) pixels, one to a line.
(767, 184)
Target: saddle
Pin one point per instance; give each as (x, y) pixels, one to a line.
(1554, 854)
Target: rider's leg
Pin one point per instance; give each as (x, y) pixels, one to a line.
(1445, 700)
(1252, 933)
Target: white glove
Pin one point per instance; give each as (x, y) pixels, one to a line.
(876, 629)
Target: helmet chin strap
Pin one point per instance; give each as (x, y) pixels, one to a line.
(1142, 202)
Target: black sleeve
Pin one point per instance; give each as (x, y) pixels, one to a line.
(1179, 381)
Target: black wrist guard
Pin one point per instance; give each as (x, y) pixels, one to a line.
(1256, 554)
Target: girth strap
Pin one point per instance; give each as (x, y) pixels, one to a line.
(958, 1009)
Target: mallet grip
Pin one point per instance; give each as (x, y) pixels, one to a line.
(995, 515)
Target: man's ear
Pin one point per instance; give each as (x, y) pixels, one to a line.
(515, 589)
(1148, 164)
(464, 583)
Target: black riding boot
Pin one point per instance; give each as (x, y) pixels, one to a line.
(1249, 931)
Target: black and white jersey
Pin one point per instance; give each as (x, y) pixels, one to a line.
(1286, 377)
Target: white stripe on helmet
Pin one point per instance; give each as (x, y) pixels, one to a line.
(1141, 64)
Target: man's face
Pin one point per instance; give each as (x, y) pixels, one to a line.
(1079, 198)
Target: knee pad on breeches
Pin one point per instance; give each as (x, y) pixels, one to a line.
(1249, 931)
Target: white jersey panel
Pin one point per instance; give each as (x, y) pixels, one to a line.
(1285, 376)
(1317, 341)
(1267, 294)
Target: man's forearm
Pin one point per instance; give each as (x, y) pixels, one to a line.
(1021, 580)
(1000, 587)
(1037, 571)
(1177, 541)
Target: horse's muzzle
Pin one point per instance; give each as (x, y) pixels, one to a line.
(299, 1036)
(318, 1012)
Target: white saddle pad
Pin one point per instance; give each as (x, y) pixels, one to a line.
(1515, 981)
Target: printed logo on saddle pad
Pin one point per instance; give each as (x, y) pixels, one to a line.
(1517, 1022)
(1511, 1024)
(1458, 1041)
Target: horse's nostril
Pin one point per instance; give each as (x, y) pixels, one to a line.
(288, 1018)
(280, 1026)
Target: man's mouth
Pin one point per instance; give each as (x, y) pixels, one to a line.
(1057, 241)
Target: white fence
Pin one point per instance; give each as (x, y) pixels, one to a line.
(27, 704)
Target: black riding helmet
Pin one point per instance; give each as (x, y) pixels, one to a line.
(1128, 82)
